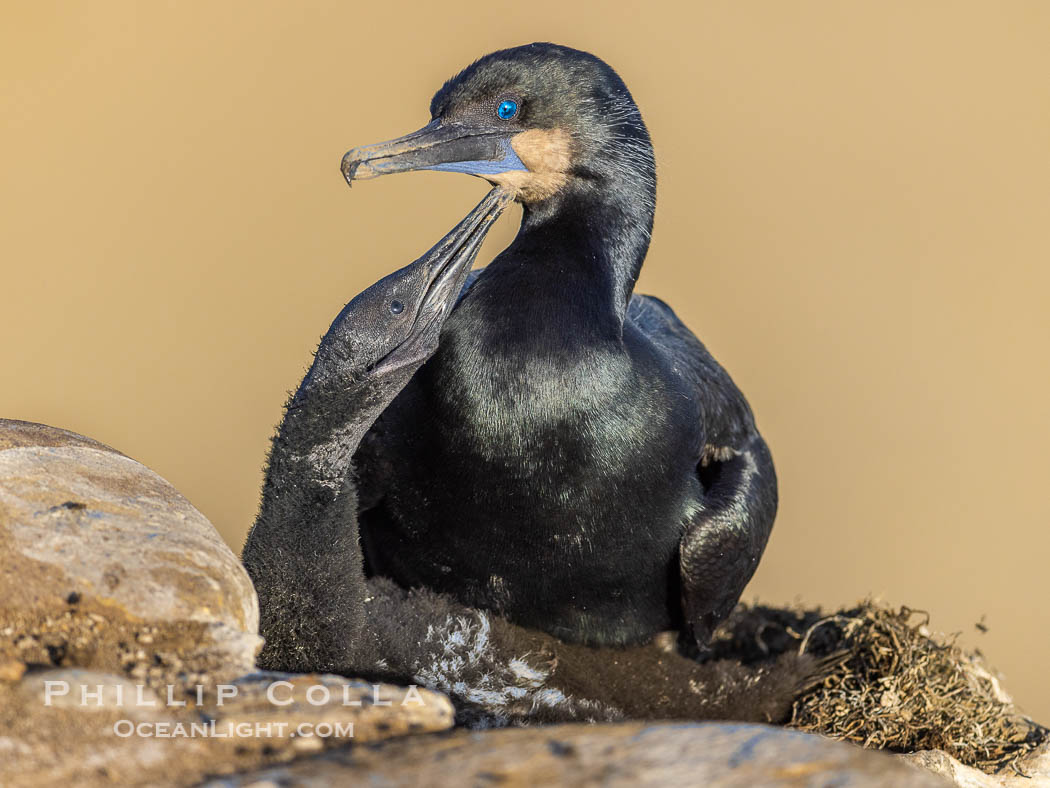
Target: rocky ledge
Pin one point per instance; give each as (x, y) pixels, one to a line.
(128, 634)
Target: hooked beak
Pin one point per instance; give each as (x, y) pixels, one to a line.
(436, 146)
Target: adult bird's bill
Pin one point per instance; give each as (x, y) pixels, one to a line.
(522, 149)
(476, 150)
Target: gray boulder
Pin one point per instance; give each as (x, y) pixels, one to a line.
(105, 565)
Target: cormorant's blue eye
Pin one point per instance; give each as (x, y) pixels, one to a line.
(507, 109)
(397, 307)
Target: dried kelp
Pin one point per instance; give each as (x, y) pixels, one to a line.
(898, 687)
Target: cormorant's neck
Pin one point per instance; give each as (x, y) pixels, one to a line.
(303, 553)
(601, 226)
(310, 459)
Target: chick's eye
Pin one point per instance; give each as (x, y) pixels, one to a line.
(396, 307)
(507, 109)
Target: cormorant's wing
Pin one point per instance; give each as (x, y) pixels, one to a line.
(726, 535)
(728, 422)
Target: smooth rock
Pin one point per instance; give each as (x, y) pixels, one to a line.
(1029, 771)
(85, 530)
(85, 691)
(70, 739)
(87, 728)
(626, 754)
(377, 711)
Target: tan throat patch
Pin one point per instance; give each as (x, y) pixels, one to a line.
(547, 153)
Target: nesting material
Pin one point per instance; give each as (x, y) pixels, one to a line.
(897, 686)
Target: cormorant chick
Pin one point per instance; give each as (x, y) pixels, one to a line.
(320, 614)
(572, 457)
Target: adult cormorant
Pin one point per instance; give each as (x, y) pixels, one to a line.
(319, 613)
(572, 456)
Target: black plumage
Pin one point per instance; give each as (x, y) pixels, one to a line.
(572, 457)
(303, 552)
(320, 613)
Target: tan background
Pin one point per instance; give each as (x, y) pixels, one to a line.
(853, 213)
